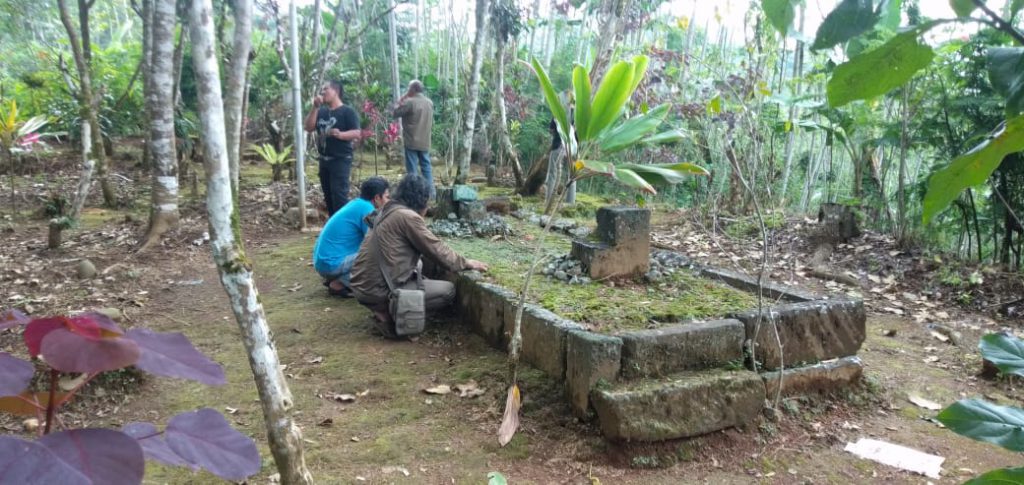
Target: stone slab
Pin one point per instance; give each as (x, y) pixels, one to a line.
(670, 349)
(683, 405)
(823, 378)
(483, 305)
(545, 337)
(618, 225)
(771, 290)
(463, 193)
(471, 211)
(590, 358)
(810, 332)
(603, 261)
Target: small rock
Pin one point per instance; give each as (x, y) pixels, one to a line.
(561, 275)
(653, 275)
(114, 314)
(30, 424)
(86, 270)
(580, 232)
(451, 216)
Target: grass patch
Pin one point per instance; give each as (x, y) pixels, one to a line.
(627, 305)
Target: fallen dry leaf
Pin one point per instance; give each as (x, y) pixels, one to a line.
(395, 469)
(923, 403)
(510, 421)
(469, 389)
(343, 397)
(230, 410)
(363, 394)
(315, 360)
(439, 390)
(326, 423)
(67, 384)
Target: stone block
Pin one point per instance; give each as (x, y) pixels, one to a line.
(823, 378)
(771, 290)
(501, 205)
(463, 193)
(589, 358)
(471, 211)
(489, 308)
(810, 331)
(601, 260)
(667, 350)
(622, 225)
(683, 405)
(544, 339)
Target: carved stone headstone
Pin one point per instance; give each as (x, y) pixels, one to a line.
(838, 222)
(623, 246)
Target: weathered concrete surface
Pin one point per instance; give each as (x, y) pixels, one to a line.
(605, 261)
(482, 306)
(688, 404)
(666, 350)
(617, 225)
(545, 337)
(772, 291)
(810, 331)
(822, 378)
(589, 358)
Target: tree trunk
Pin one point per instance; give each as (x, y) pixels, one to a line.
(237, 66)
(504, 140)
(179, 59)
(236, 276)
(901, 223)
(109, 196)
(396, 88)
(89, 151)
(163, 212)
(317, 17)
(147, 74)
(798, 61)
(473, 93)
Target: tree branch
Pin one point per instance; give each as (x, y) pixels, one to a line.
(1000, 23)
(131, 84)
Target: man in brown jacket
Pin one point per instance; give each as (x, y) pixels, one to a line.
(417, 114)
(400, 236)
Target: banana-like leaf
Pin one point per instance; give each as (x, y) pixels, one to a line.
(632, 130)
(31, 125)
(663, 174)
(670, 136)
(639, 69)
(557, 110)
(611, 96)
(633, 180)
(581, 86)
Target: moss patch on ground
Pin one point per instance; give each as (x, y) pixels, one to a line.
(627, 305)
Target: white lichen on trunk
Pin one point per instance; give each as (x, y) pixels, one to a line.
(284, 436)
(473, 95)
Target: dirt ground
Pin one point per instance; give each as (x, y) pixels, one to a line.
(360, 399)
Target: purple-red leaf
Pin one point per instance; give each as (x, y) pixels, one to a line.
(12, 318)
(15, 374)
(172, 355)
(39, 328)
(68, 351)
(104, 325)
(205, 438)
(154, 446)
(102, 455)
(28, 462)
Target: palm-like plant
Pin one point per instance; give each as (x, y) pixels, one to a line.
(12, 132)
(597, 131)
(277, 160)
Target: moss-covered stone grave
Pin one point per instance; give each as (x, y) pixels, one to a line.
(655, 358)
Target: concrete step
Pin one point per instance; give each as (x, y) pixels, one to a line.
(681, 405)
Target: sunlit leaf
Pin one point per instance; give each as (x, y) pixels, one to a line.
(665, 173)
(1002, 476)
(715, 105)
(154, 446)
(848, 20)
(39, 328)
(495, 478)
(611, 96)
(15, 374)
(204, 438)
(639, 70)
(12, 318)
(632, 180)
(780, 13)
(1004, 351)
(581, 86)
(630, 132)
(557, 110)
(890, 14)
(973, 167)
(103, 455)
(984, 421)
(670, 136)
(172, 355)
(28, 462)
(879, 71)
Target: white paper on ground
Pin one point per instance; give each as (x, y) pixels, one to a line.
(898, 456)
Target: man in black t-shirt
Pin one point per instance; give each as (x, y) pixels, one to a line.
(336, 126)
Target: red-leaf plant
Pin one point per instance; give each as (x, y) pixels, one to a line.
(89, 344)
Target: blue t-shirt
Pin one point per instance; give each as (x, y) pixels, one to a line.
(342, 235)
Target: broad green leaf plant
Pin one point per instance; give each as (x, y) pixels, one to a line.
(277, 160)
(876, 72)
(598, 130)
(12, 131)
(988, 422)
